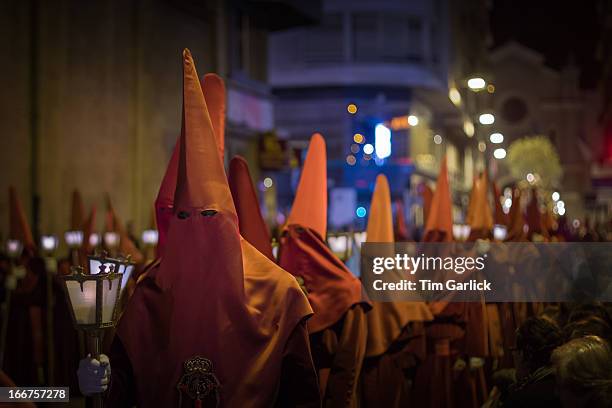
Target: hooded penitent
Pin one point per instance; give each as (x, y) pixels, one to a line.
(252, 225)
(535, 219)
(126, 245)
(400, 229)
(19, 227)
(77, 214)
(332, 288)
(214, 94)
(386, 320)
(516, 221)
(500, 217)
(426, 196)
(439, 224)
(481, 220)
(213, 302)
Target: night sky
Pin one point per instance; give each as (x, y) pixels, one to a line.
(557, 29)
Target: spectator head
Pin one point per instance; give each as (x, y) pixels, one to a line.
(583, 369)
(536, 339)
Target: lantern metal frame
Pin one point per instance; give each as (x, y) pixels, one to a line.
(79, 275)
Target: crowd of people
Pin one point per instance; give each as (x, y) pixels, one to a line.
(215, 318)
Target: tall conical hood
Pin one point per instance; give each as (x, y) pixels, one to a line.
(386, 320)
(89, 227)
(439, 225)
(201, 184)
(126, 245)
(516, 222)
(400, 228)
(481, 223)
(251, 223)
(426, 195)
(380, 222)
(310, 204)
(19, 227)
(77, 215)
(534, 216)
(500, 217)
(469, 215)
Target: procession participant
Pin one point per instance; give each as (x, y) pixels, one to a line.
(24, 352)
(127, 247)
(458, 331)
(400, 230)
(252, 225)
(394, 346)
(205, 328)
(338, 328)
(481, 219)
(500, 217)
(535, 222)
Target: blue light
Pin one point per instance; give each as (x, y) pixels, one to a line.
(361, 212)
(368, 149)
(382, 141)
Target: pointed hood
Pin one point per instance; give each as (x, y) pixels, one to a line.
(332, 288)
(164, 203)
(312, 188)
(469, 215)
(201, 184)
(535, 220)
(19, 226)
(380, 222)
(89, 227)
(126, 245)
(439, 225)
(230, 303)
(386, 320)
(481, 225)
(500, 217)
(400, 228)
(426, 195)
(77, 215)
(251, 223)
(516, 221)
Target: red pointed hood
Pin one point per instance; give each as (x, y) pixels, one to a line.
(77, 215)
(481, 223)
(230, 304)
(400, 229)
(380, 222)
(312, 188)
(252, 225)
(214, 94)
(439, 225)
(19, 226)
(126, 245)
(89, 227)
(427, 195)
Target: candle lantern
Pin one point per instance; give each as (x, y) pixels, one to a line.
(95, 294)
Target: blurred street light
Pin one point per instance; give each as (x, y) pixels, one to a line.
(486, 119)
(351, 108)
(496, 138)
(437, 139)
(476, 84)
(499, 153)
(413, 120)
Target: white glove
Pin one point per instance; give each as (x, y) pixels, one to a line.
(94, 375)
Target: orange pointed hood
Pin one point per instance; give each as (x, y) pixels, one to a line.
(481, 224)
(309, 208)
(77, 216)
(534, 216)
(251, 223)
(426, 195)
(19, 227)
(516, 222)
(439, 225)
(164, 203)
(380, 222)
(386, 320)
(469, 215)
(500, 217)
(400, 229)
(201, 184)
